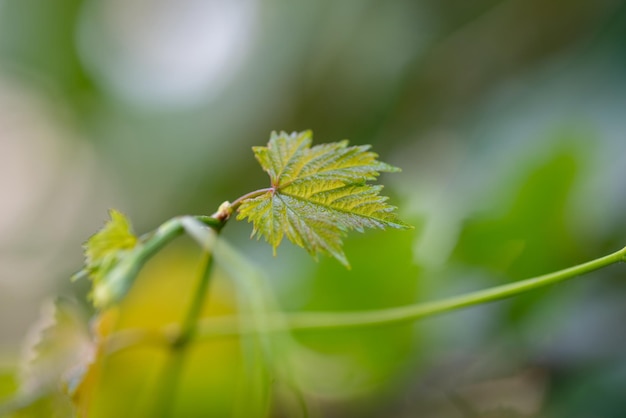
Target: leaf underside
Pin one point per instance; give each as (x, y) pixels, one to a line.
(318, 193)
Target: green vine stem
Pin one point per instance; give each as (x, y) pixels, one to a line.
(178, 342)
(332, 320)
(154, 241)
(193, 328)
(237, 202)
(232, 326)
(178, 346)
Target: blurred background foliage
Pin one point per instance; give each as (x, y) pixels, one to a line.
(507, 116)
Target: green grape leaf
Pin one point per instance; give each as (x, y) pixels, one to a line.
(115, 236)
(108, 259)
(317, 194)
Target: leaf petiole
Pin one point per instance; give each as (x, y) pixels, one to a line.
(237, 202)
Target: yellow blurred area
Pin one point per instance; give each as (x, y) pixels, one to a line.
(129, 379)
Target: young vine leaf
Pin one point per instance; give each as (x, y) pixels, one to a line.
(107, 261)
(317, 194)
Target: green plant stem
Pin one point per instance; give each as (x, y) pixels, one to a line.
(171, 375)
(237, 202)
(232, 326)
(303, 321)
(154, 241)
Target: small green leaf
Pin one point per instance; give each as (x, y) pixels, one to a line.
(116, 235)
(108, 259)
(318, 193)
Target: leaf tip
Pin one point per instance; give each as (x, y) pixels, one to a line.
(388, 168)
(403, 225)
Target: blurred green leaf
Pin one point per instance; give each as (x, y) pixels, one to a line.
(515, 237)
(364, 360)
(527, 232)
